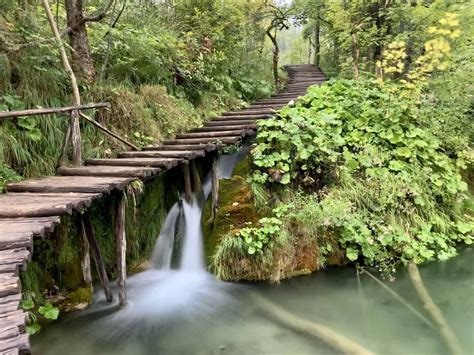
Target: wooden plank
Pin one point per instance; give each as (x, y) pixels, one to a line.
(21, 342)
(11, 268)
(9, 304)
(152, 162)
(14, 256)
(223, 127)
(79, 184)
(250, 112)
(36, 226)
(185, 147)
(14, 205)
(9, 285)
(243, 117)
(212, 134)
(16, 240)
(14, 351)
(117, 171)
(185, 154)
(229, 122)
(217, 140)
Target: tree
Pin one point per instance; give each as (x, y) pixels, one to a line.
(279, 20)
(82, 61)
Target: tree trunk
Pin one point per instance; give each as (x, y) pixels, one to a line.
(317, 43)
(82, 62)
(276, 54)
(355, 56)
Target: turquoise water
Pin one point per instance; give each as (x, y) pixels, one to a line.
(191, 313)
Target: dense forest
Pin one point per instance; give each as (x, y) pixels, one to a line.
(373, 168)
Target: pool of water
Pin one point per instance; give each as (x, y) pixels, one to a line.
(189, 312)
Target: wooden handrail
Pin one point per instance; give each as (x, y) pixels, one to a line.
(47, 111)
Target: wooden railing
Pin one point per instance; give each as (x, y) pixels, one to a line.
(72, 135)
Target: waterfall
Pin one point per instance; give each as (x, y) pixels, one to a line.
(184, 221)
(177, 286)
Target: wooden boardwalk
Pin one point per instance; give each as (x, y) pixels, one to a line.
(33, 207)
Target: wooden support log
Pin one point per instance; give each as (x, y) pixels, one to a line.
(85, 256)
(63, 154)
(109, 132)
(75, 138)
(187, 183)
(196, 180)
(99, 261)
(121, 248)
(215, 187)
(48, 111)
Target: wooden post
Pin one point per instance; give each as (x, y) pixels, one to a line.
(99, 261)
(215, 187)
(63, 153)
(75, 138)
(187, 183)
(85, 256)
(121, 248)
(196, 179)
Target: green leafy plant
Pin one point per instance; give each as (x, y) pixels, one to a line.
(384, 182)
(256, 238)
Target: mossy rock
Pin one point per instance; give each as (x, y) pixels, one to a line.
(235, 209)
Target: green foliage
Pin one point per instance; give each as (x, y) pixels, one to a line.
(386, 185)
(256, 238)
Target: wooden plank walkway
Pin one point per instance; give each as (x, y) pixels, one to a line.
(33, 207)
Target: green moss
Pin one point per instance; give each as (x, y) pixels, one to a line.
(235, 209)
(81, 295)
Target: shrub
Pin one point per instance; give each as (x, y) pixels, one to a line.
(384, 181)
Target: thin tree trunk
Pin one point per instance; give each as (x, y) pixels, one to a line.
(276, 55)
(355, 56)
(74, 117)
(317, 43)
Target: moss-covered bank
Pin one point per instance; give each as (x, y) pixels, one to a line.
(294, 252)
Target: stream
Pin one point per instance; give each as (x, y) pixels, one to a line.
(176, 307)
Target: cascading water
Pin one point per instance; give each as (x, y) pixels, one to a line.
(177, 285)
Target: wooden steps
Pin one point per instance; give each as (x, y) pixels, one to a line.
(33, 207)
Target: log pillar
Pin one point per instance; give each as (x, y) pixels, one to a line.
(187, 183)
(121, 248)
(76, 138)
(99, 260)
(85, 256)
(215, 187)
(196, 179)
